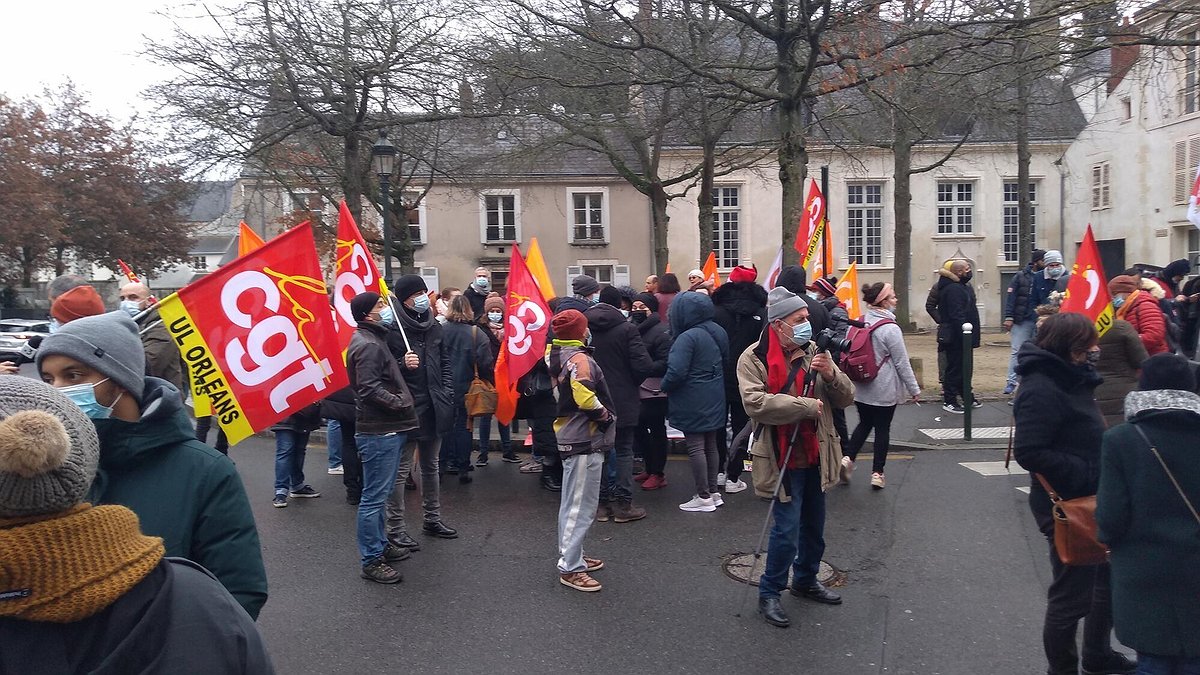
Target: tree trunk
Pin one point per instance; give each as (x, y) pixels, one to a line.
(659, 221)
(793, 157)
(902, 236)
(352, 187)
(1024, 156)
(706, 225)
(402, 244)
(28, 266)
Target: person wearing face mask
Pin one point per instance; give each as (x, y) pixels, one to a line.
(493, 325)
(740, 307)
(1057, 435)
(876, 399)
(384, 416)
(469, 352)
(651, 434)
(1054, 278)
(956, 306)
(1141, 309)
(163, 359)
(1020, 316)
(794, 447)
(585, 293)
(478, 291)
(695, 387)
(150, 461)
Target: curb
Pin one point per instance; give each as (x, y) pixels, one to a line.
(915, 446)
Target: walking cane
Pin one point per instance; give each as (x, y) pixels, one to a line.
(809, 381)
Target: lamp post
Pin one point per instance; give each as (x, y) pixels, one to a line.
(383, 159)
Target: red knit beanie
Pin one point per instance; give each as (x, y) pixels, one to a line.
(569, 325)
(743, 273)
(77, 303)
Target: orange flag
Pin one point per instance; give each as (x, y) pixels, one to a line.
(847, 292)
(354, 272)
(537, 267)
(1087, 290)
(257, 335)
(248, 239)
(812, 225)
(710, 270)
(525, 329)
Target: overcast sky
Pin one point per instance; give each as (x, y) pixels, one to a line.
(44, 42)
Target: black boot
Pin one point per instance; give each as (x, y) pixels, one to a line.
(772, 612)
(439, 530)
(549, 482)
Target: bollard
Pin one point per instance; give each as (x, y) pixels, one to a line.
(967, 398)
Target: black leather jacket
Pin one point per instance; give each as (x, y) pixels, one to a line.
(381, 396)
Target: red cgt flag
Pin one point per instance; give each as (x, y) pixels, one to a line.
(1087, 290)
(524, 335)
(257, 335)
(812, 225)
(354, 272)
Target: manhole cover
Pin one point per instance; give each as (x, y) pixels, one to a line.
(744, 568)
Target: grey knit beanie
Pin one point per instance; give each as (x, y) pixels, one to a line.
(108, 343)
(48, 449)
(782, 303)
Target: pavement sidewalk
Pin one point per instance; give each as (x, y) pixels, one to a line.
(928, 427)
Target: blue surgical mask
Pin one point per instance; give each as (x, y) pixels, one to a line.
(131, 307)
(1118, 301)
(495, 317)
(594, 298)
(84, 396)
(802, 333)
(1055, 272)
(386, 316)
(625, 313)
(420, 304)
(483, 283)
(54, 325)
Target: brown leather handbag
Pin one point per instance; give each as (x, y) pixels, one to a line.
(1076, 535)
(480, 398)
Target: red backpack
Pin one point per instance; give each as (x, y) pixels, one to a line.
(858, 362)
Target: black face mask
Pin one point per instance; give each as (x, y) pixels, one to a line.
(966, 276)
(638, 317)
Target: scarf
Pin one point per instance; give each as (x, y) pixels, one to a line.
(72, 565)
(1124, 308)
(778, 368)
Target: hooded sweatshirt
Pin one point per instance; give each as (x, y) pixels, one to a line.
(183, 491)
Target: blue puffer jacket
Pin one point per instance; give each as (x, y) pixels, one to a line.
(694, 382)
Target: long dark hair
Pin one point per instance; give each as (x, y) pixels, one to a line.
(669, 283)
(1065, 334)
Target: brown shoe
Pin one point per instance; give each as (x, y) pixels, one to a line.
(604, 512)
(593, 564)
(580, 581)
(626, 512)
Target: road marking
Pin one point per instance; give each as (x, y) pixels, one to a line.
(956, 434)
(994, 468)
(1024, 489)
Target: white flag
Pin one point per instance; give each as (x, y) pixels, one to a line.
(768, 281)
(1193, 212)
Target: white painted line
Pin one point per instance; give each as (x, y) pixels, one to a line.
(994, 468)
(1023, 489)
(956, 434)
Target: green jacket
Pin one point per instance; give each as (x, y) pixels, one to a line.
(1155, 540)
(183, 491)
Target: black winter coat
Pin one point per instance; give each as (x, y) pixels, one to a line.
(476, 299)
(741, 309)
(657, 340)
(839, 317)
(431, 383)
(618, 350)
(1018, 305)
(1058, 428)
(304, 420)
(956, 306)
(339, 406)
(467, 348)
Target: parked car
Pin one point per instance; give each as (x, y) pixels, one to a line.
(15, 333)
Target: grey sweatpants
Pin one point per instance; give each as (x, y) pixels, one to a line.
(577, 507)
(702, 455)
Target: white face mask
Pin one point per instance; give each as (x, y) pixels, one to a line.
(495, 317)
(131, 307)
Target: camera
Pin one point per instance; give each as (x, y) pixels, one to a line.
(828, 341)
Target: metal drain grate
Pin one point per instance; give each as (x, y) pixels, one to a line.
(744, 568)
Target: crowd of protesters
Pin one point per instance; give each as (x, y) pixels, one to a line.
(746, 375)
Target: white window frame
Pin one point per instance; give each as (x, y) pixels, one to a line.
(198, 263)
(604, 215)
(956, 205)
(718, 225)
(483, 195)
(1009, 218)
(421, 213)
(863, 207)
(1101, 186)
(1187, 157)
(620, 273)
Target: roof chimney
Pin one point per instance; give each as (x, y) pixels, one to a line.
(1123, 54)
(466, 97)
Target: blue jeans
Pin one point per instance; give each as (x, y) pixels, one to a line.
(1019, 335)
(380, 461)
(797, 535)
(485, 436)
(617, 485)
(1149, 664)
(333, 441)
(290, 447)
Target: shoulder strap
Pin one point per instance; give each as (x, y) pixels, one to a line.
(1170, 475)
(474, 361)
(1049, 490)
(792, 375)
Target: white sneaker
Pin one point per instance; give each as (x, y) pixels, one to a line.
(698, 504)
(337, 470)
(877, 481)
(720, 480)
(735, 487)
(717, 499)
(845, 471)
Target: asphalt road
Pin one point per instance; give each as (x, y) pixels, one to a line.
(945, 575)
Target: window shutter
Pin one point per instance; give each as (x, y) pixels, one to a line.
(621, 275)
(1181, 177)
(572, 272)
(430, 276)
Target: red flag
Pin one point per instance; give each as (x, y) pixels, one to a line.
(354, 272)
(257, 335)
(133, 278)
(1087, 291)
(773, 273)
(812, 225)
(524, 334)
(710, 270)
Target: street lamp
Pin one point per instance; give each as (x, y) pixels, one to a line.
(383, 158)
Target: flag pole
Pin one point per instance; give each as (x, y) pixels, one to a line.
(825, 234)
